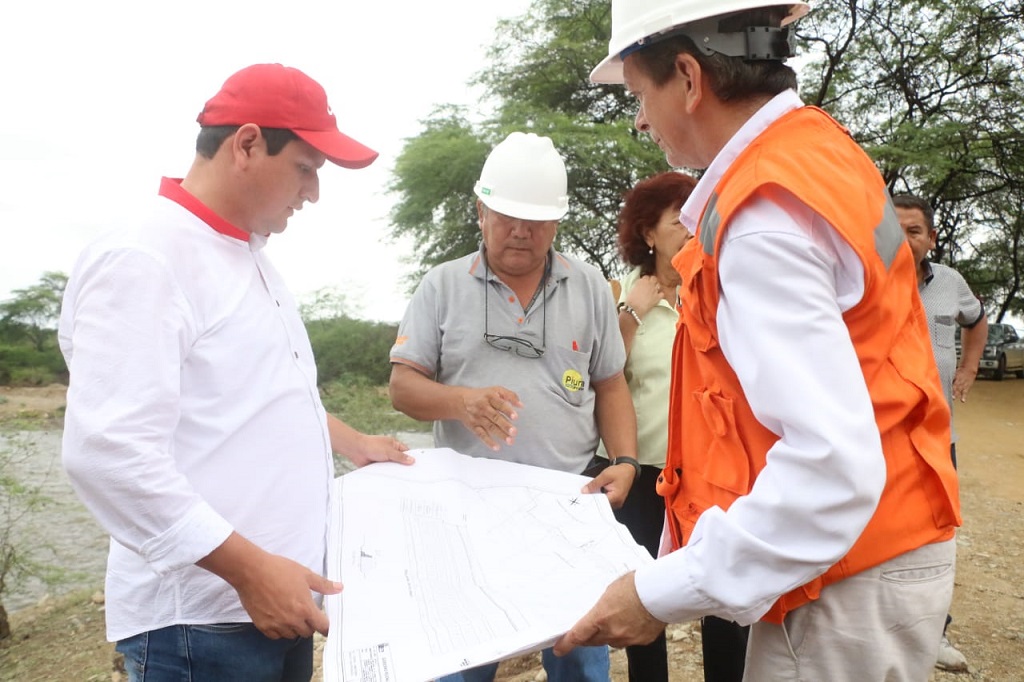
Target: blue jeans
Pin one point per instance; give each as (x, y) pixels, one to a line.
(582, 664)
(224, 652)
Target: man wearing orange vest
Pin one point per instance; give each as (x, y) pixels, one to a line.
(808, 483)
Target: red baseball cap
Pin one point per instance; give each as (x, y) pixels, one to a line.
(276, 96)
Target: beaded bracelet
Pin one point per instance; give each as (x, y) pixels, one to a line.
(625, 308)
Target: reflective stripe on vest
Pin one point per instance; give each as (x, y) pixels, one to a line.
(888, 234)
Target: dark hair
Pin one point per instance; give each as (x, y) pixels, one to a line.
(910, 201)
(643, 207)
(212, 137)
(731, 78)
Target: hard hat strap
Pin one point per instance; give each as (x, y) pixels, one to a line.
(754, 43)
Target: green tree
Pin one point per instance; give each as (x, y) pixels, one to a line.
(536, 81)
(433, 179)
(932, 90)
(29, 354)
(32, 313)
(995, 266)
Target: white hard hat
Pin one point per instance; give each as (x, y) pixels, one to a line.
(634, 21)
(524, 177)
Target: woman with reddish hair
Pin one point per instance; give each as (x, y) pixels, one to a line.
(649, 235)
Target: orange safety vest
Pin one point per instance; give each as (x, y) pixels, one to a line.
(717, 447)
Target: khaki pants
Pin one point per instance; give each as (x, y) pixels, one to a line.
(881, 625)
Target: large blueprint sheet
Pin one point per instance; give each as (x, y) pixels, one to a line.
(455, 561)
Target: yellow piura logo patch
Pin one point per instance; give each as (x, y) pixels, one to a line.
(572, 380)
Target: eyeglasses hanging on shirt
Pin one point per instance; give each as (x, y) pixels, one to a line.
(513, 344)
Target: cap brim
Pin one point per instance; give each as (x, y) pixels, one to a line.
(339, 148)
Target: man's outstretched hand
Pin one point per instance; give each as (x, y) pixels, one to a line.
(618, 619)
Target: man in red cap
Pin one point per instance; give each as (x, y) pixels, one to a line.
(194, 430)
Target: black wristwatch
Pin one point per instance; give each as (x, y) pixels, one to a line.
(631, 461)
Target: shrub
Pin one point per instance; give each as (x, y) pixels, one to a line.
(366, 407)
(24, 365)
(350, 348)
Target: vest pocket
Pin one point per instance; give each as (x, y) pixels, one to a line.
(929, 471)
(726, 464)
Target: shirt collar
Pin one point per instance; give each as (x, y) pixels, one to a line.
(774, 109)
(170, 188)
(557, 262)
(929, 274)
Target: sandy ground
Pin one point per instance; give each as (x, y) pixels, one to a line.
(31, 403)
(988, 605)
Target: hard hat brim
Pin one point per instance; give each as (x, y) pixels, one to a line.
(523, 211)
(609, 70)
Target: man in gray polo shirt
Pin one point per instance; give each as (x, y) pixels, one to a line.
(514, 351)
(948, 302)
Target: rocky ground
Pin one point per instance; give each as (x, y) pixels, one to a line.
(62, 637)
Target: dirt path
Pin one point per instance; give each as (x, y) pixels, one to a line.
(988, 605)
(31, 403)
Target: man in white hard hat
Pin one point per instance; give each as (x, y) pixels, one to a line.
(514, 351)
(194, 430)
(808, 481)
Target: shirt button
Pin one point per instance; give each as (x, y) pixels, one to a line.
(296, 355)
(511, 299)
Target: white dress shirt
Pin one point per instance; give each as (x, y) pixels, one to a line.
(192, 411)
(786, 277)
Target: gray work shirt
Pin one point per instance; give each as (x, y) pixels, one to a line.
(948, 301)
(442, 335)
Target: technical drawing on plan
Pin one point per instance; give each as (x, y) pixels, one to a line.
(455, 561)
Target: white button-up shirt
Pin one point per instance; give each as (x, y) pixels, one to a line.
(786, 277)
(192, 411)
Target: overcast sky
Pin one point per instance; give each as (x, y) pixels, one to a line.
(100, 99)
